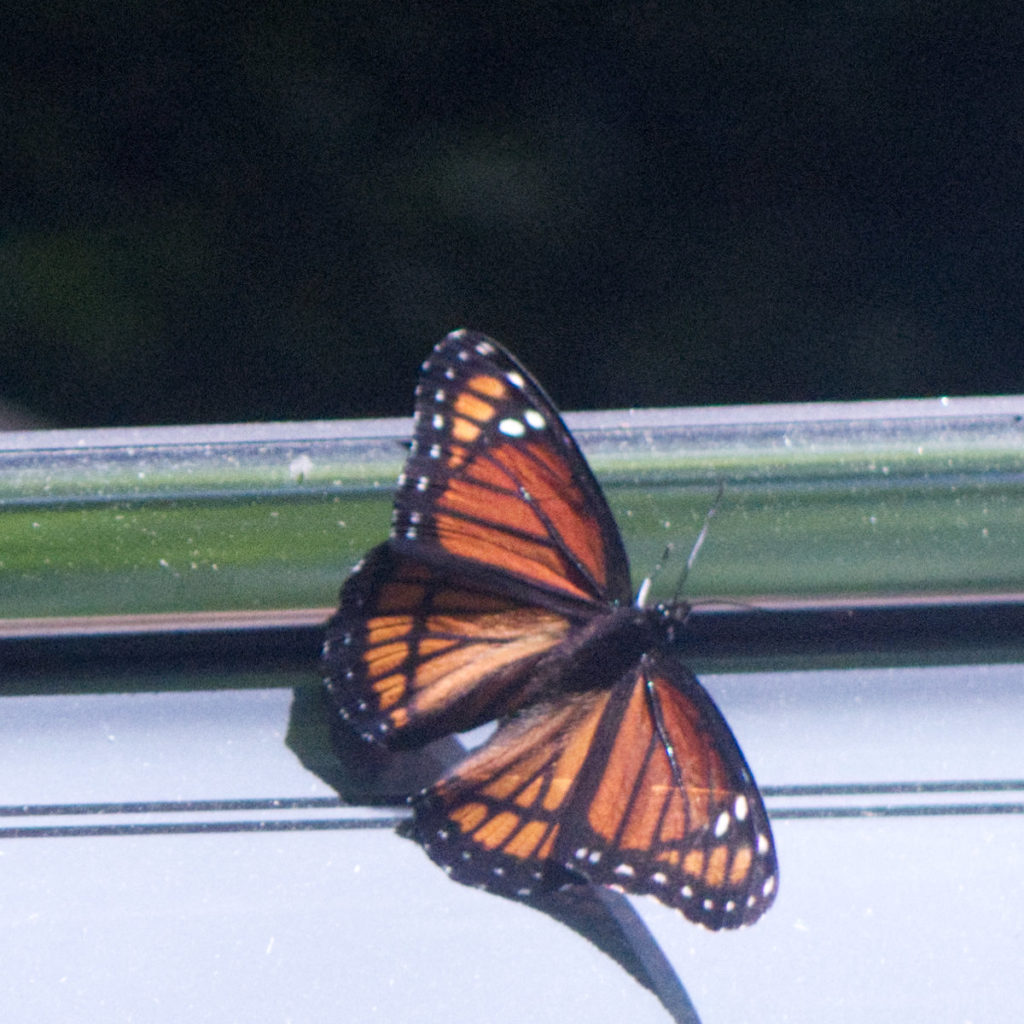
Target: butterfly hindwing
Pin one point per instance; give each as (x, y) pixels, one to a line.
(494, 821)
(414, 654)
(640, 786)
(495, 484)
(671, 808)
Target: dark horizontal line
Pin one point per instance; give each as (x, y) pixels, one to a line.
(330, 802)
(392, 821)
(868, 788)
(776, 629)
(198, 828)
(854, 627)
(909, 811)
(173, 806)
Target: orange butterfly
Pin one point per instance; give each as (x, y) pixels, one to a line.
(503, 593)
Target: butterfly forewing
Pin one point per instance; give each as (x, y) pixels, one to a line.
(494, 481)
(414, 654)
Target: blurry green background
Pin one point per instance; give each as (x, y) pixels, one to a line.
(221, 212)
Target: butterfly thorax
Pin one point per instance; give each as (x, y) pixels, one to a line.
(606, 647)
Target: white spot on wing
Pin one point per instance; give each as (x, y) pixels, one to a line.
(722, 824)
(535, 419)
(511, 428)
(740, 808)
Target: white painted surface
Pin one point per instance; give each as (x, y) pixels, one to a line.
(911, 918)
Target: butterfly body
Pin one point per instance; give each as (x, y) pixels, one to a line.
(503, 594)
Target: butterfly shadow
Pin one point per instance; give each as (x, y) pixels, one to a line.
(372, 776)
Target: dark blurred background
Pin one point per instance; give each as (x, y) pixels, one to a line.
(226, 212)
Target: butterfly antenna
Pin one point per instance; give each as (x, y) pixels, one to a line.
(699, 542)
(646, 583)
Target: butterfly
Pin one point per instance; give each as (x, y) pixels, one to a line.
(503, 593)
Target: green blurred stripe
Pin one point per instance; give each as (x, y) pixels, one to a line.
(854, 500)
